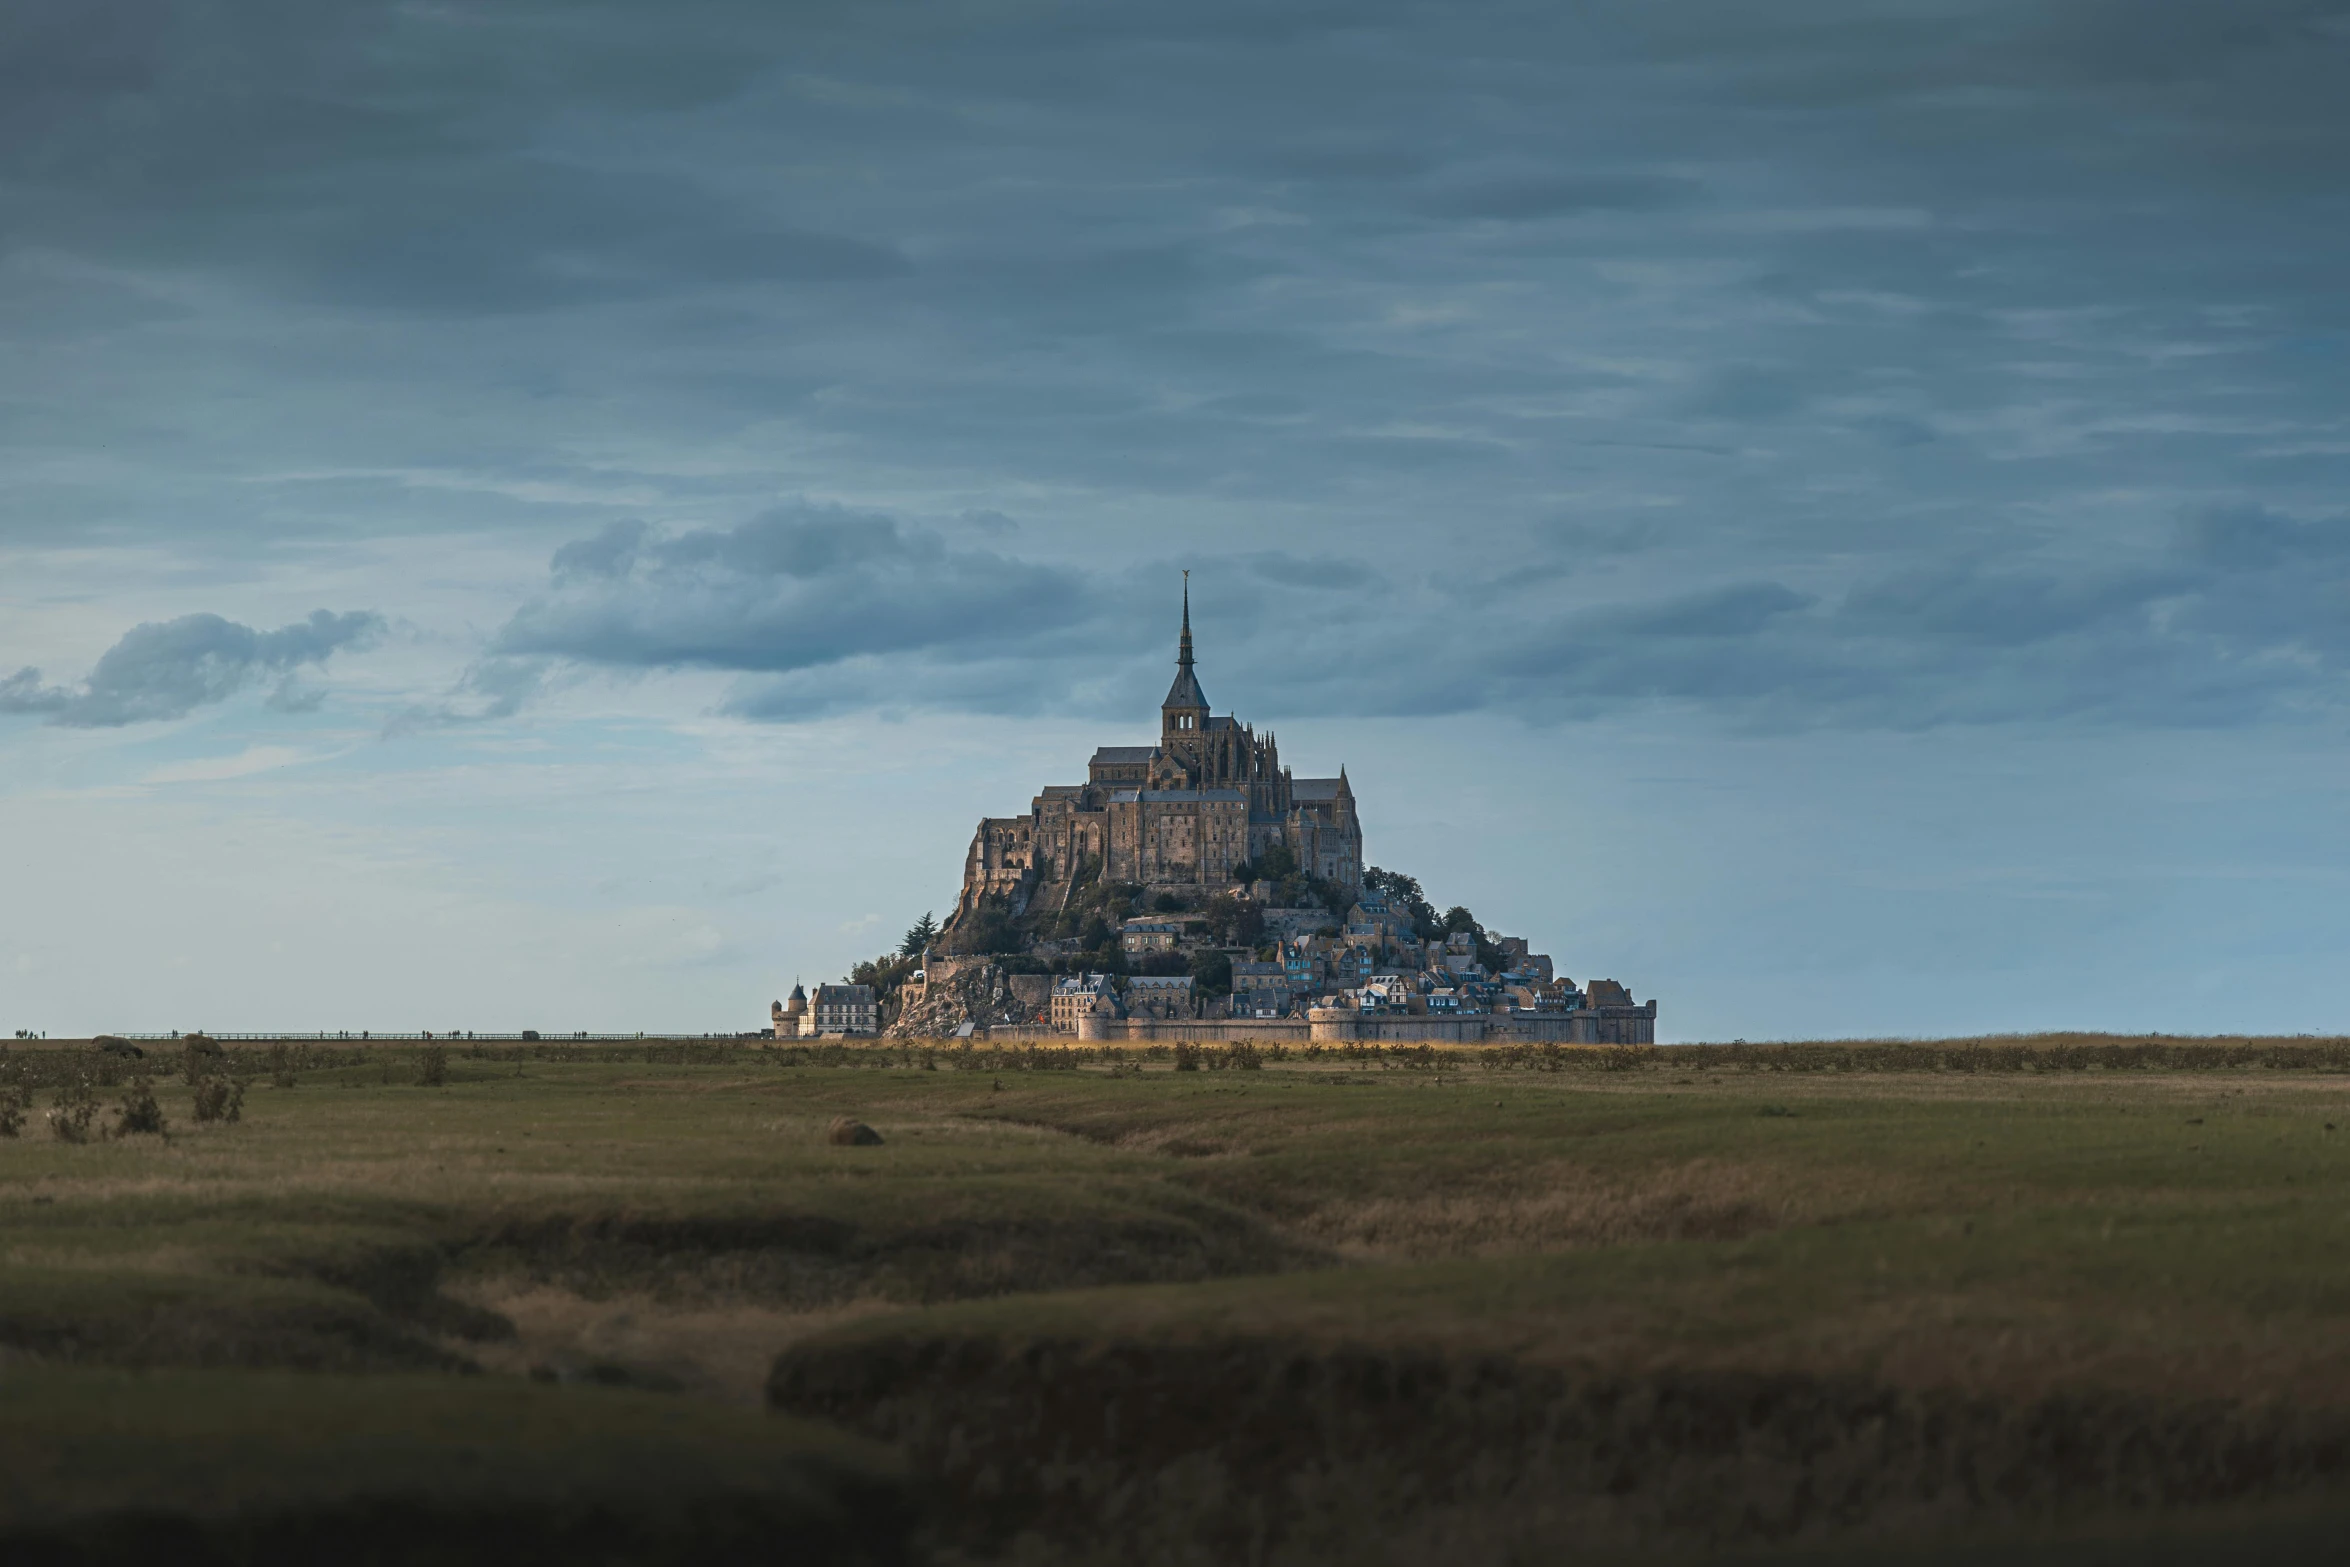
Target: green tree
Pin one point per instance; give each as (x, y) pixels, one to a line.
(919, 937)
(1232, 923)
(1405, 897)
(987, 928)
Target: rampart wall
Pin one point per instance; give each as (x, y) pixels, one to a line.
(1336, 1026)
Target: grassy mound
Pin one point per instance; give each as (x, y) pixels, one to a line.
(102, 1467)
(1149, 1449)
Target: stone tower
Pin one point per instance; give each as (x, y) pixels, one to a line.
(1183, 717)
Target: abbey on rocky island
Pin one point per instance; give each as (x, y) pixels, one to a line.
(1186, 815)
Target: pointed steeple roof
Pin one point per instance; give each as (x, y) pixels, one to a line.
(1185, 692)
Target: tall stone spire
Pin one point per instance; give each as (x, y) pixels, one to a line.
(1184, 697)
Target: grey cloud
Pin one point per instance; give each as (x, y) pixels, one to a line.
(2246, 615)
(2254, 538)
(1321, 574)
(1969, 601)
(490, 690)
(291, 696)
(168, 669)
(918, 680)
(1753, 392)
(825, 610)
(608, 554)
(1523, 197)
(1737, 610)
(1872, 350)
(800, 587)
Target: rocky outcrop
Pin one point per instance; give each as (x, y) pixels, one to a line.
(957, 993)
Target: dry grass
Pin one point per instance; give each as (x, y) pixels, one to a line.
(1554, 1206)
(720, 1352)
(1916, 1231)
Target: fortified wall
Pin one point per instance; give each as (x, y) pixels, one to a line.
(1344, 1025)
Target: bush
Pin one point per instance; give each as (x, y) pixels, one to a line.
(139, 1114)
(16, 1101)
(1211, 972)
(432, 1066)
(1186, 1057)
(281, 1066)
(72, 1111)
(220, 1099)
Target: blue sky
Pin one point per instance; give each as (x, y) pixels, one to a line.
(564, 516)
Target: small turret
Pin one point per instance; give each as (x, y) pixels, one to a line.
(790, 1014)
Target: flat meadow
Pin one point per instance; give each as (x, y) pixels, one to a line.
(1904, 1299)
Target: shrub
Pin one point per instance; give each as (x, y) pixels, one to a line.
(220, 1099)
(16, 1101)
(432, 1067)
(139, 1114)
(1186, 1057)
(74, 1108)
(281, 1066)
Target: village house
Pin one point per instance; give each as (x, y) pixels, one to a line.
(1079, 995)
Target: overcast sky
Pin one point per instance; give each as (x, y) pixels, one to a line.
(566, 515)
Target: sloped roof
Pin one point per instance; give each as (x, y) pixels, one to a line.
(1116, 755)
(1185, 692)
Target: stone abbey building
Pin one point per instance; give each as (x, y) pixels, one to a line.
(1178, 816)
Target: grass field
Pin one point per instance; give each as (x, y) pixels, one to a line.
(1685, 1302)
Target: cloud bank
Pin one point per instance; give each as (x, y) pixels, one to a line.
(1829, 364)
(168, 669)
(2241, 615)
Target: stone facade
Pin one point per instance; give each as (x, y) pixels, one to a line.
(1179, 816)
(788, 1018)
(1079, 996)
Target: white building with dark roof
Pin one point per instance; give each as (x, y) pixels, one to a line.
(841, 1010)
